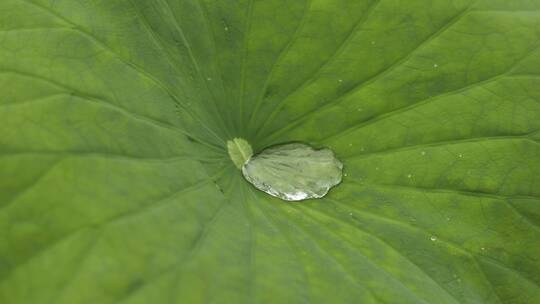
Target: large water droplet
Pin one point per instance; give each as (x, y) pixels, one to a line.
(293, 172)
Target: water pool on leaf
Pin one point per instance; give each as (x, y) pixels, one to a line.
(292, 172)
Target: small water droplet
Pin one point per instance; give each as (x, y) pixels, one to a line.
(226, 28)
(350, 144)
(240, 151)
(483, 248)
(435, 65)
(209, 78)
(344, 174)
(373, 42)
(409, 175)
(340, 80)
(433, 238)
(359, 109)
(350, 213)
(460, 155)
(423, 152)
(377, 168)
(447, 218)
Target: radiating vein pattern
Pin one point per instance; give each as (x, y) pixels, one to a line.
(115, 185)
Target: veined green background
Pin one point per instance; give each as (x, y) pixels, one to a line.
(115, 184)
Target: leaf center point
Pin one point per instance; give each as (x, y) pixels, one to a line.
(240, 151)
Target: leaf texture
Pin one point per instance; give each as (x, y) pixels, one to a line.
(116, 186)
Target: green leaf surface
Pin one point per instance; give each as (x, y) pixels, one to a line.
(116, 185)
